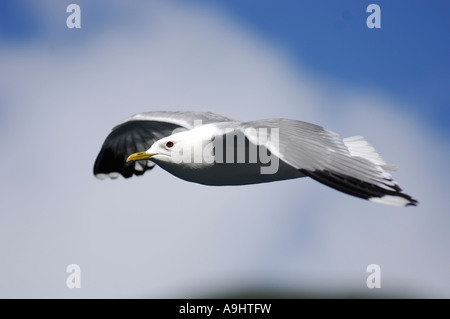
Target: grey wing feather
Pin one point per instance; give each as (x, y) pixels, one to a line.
(324, 156)
(302, 145)
(186, 120)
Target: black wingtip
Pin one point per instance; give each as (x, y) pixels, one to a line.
(412, 202)
(361, 189)
(125, 139)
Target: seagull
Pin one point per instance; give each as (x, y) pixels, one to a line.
(212, 149)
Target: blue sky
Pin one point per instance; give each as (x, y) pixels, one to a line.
(408, 57)
(61, 92)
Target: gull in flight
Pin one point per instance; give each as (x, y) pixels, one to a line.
(211, 149)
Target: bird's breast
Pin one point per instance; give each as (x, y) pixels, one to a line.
(223, 173)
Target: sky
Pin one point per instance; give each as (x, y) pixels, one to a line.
(155, 236)
(406, 57)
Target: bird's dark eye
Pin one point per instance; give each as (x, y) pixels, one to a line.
(169, 144)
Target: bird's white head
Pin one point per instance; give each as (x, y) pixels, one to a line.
(193, 148)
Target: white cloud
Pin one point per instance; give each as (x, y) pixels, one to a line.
(158, 236)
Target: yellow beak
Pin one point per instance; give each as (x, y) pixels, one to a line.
(140, 156)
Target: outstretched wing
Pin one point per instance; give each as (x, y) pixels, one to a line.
(137, 134)
(350, 165)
